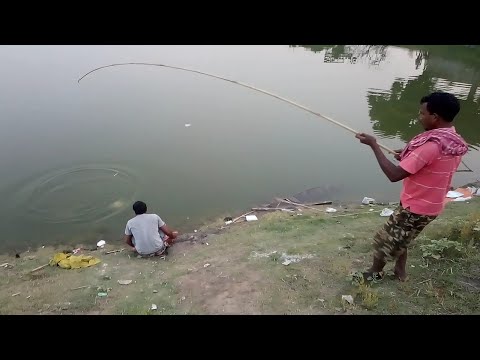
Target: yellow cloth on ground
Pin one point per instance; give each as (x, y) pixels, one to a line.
(67, 261)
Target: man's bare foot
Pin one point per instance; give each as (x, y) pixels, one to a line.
(400, 275)
(400, 265)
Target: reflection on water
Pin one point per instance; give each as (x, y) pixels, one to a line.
(393, 111)
(372, 54)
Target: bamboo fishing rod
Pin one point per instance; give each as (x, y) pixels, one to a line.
(244, 85)
(253, 88)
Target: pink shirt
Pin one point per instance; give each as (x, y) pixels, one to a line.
(424, 191)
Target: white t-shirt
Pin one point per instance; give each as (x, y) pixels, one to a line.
(147, 236)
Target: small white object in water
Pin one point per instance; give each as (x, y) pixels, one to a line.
(251, 218)
(206, 243)
(194, 230)
(371, 210)
(367, 200)
(330, 210)
(386, 212)
(101, 243)
(153, 307)
(115, 174)
(188, 125)
(117, 204)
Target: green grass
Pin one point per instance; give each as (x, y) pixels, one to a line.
(238, 282)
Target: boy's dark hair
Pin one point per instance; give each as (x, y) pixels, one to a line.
(443, 104)
(139, 207)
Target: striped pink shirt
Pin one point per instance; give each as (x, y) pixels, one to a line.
(424, 191)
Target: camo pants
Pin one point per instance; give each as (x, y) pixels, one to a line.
(400, 229)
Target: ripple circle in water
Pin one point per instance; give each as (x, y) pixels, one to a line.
(81, 194)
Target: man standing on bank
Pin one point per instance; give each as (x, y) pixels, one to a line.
(427, 165)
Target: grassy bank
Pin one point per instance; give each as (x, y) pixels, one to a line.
(245, 274)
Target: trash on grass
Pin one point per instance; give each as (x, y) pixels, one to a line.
(228, 222)
(251, 218)
(348, 298)
(66, 261)
(290, 259)
(367, 200)
(330, 210)
(454, 194)
(124, 282)
(459, 199)
(153, 307)
(386, 212)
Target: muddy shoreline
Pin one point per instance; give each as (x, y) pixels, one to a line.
(214, 226)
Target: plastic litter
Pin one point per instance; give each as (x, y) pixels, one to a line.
(463, 198)
(101, 243)
(124, 282)
(330, 210)
(228, 222)
(386, 212)
(454, 194)
(188, 125)
(367, 200)
(153, 307)
(348, 298)
(251, 218)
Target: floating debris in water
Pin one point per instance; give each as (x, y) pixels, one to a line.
(188, 125)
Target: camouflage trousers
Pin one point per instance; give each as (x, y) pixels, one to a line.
(400, 229)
